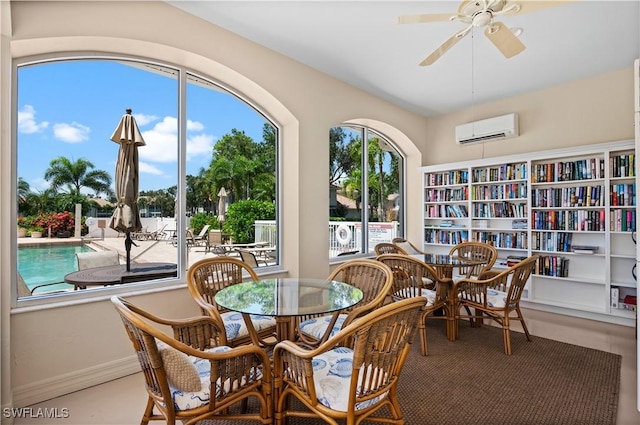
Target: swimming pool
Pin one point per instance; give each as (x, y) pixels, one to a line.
(48, 264)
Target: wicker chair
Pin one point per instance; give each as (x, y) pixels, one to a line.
(338, 383)
(407, 246)
(496, 294)
(206, 277)
(180, 372)
(412, 277)
(474, 251)
(388, 248)
(372, 277)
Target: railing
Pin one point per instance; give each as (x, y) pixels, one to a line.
(344, 236)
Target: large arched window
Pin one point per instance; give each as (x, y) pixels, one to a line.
(366, 190)
(207, 171)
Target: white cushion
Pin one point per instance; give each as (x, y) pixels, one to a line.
(429, 294)
(332, 372)
(234, 325)
(184, 400)
(180, 371)
(317, 326)
(496, 299)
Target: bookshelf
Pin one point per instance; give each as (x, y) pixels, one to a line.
(575, 208)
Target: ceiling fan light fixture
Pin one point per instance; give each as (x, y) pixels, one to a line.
(517, 31)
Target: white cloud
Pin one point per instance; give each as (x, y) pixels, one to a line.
(143, 119)
(71, 133)
(162, 141)
(149, 169)
(27, 121)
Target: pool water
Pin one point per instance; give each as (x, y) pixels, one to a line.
(48, 264)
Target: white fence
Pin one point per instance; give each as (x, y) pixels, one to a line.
(344, 236)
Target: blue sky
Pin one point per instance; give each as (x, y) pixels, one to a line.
(71, 109)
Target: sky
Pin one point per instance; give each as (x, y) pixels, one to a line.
(71, 109)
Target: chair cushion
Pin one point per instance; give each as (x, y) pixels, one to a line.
(429, 294)
(332, 372)
(317, 326)
(180, 371)
(496, 299)
(235, 327)
(185, 400)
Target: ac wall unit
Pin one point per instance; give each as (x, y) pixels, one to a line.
(502, 127)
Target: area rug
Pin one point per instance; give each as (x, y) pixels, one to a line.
(471, 381)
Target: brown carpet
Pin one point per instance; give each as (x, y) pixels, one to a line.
(471, 381)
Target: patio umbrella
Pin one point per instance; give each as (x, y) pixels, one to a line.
(222, 205)
(126, 217)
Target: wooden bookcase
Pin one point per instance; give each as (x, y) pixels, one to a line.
(573, 207)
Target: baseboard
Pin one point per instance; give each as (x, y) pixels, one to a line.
(39, 391)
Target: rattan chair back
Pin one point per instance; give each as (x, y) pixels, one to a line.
(388, 248)
(475, 251)
(407, 246)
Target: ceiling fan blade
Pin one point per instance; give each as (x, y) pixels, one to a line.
(502, 37)
(532, 6)
(444, 47)
(418, 19)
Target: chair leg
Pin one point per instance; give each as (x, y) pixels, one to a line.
(423, 336)
(507, 336)
(524, 326)
(148, 412)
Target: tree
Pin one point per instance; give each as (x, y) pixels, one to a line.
(342, 160)
(64, 173)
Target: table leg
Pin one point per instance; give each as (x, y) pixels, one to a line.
(284, 326)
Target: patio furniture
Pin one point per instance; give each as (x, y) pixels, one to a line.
(474, 251)
(88, 260)
(496, 294)
(202, 236)
(411, 278)
(117, 274)
(213, 243)
(250, 258)
(407, 246)
(372, 277)
(208, 276)
(194, 375)
(388, 248)
(349, 384)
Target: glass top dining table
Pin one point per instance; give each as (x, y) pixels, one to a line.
(286, 298)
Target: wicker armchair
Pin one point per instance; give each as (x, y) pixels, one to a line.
(407, 246)
(206, 277)
(474, 251)
(496, 294)
(339, 383)
(412, 277)
(194, 375)
(372, 277)
(388, 248)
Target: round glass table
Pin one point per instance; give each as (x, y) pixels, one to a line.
(286, 298)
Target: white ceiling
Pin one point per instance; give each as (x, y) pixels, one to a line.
(359, 43)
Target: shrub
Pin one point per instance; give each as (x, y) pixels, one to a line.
(242, 215)
(56, 221)
(199, 220)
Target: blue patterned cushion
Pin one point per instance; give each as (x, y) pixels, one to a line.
(317, 326)
(183, 400)
(429, 294)
(331, 376)
(235, 327)
(495, 298)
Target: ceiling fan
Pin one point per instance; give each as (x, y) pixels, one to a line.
(479, 14)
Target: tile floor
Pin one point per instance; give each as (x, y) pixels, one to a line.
(122, 401)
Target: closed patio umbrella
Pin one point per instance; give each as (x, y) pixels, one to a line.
(222, 205)
(126, 217)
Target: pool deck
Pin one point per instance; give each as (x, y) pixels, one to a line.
(146, 251)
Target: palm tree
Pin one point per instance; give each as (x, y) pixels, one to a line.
(63, 172)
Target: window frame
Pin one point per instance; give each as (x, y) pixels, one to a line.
(46, 301)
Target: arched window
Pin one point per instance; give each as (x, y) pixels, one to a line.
(207, 170)
(366, 190)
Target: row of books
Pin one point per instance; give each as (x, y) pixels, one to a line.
(623, 221)
(576, 221)
(499, 191)
(500, 173)
(578, 196)
(500, 210)
(560, 242)
(512, 260)
(584, 249)
(623, 194)
(622, 165)
(446, 195)
(448, 178)
(456, 211)
(448, 237)
(515, 240)
(552, 265)
(582, 169)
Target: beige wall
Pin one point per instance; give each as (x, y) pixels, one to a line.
(62, 349)
(594, 110)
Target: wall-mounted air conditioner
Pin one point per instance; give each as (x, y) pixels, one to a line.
(502, 127)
